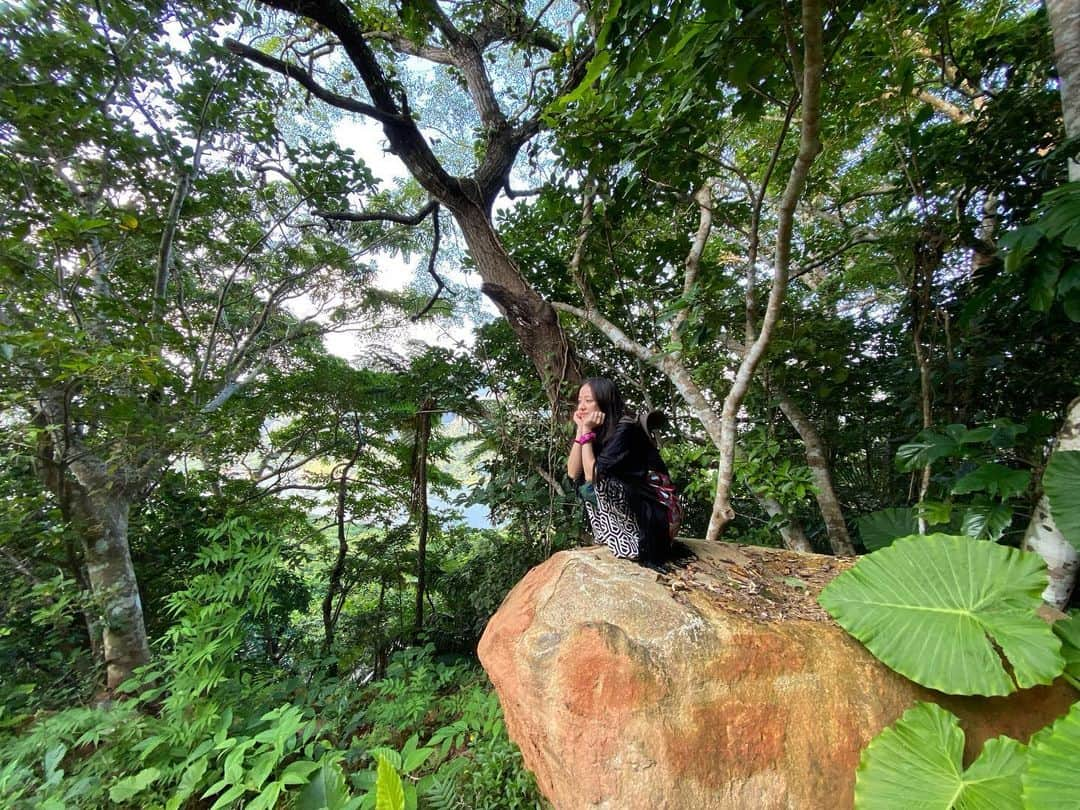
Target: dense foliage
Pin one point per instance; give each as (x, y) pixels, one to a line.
(236, 561)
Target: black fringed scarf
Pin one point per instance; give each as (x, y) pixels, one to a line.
(625, 460)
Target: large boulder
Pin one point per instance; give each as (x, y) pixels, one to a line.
(720, 684)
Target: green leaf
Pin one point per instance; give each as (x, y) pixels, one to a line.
(1018, 244)
(228, 797)
(127, 788)
(260, 769)
(389, 754)
(935, 513)
(442, 793)
(987, 521)
(917, 763)
(389, 794)
(1068, 630)
(596, 66)
(933, 608)
(1043, 284)
(1070, 277)
(53, 757)
(326, 790)
(266, 799)
(298, 772)
(188, 783)
(414, 759)
(1061, 482)
(994, 478)
(878, 529)
(1052, 778)
(1070, 302)
(927, 448)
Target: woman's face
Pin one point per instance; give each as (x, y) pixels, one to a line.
(585, 401)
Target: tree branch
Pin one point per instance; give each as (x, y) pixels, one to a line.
(513, 193)
(439, 284)
(403, 44)
(947, 108)
(613, 333)
(298, 74)
(703, 198)
(579, 247)
(809, 147)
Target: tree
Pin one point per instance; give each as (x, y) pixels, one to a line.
(459, 40)
(807, 74)
(161, 309)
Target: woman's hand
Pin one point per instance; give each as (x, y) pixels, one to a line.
(587, 420)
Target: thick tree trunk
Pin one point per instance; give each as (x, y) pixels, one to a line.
(1044, 538)
(533, 319)
(1065, 26)
(103, 514)
(791, 531)
(817, 459)
(95, 499)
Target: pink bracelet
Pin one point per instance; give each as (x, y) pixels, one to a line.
(585, 438)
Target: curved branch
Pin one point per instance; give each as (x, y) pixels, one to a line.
(298, 74)
(513, 193)
(440, 284)
(579, 247)
(613, 333)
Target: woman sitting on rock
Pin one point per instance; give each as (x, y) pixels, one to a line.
(631, 504)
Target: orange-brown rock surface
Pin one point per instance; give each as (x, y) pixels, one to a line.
(720, 684)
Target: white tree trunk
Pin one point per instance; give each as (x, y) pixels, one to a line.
(1062, 560)
(1065, 26)
(1042, 536)
(809, 147)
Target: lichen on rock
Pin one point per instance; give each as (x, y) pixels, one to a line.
(719, 683)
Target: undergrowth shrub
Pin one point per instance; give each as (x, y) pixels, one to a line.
(206, 726)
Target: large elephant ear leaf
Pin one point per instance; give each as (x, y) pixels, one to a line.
(1052, 778)
(1061, 482)
(938, 608)
(1068, 631)
(917, 762)
(878, 529)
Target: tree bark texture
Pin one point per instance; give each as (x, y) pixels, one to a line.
(113, 583)
(533, 320)
(1065, 26)
(809, 147)
(1043, 536)
(97, 495)
(818, 461)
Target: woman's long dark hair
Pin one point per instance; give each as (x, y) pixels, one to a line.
(609, 400)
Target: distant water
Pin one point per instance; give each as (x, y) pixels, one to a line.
(475, 516)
